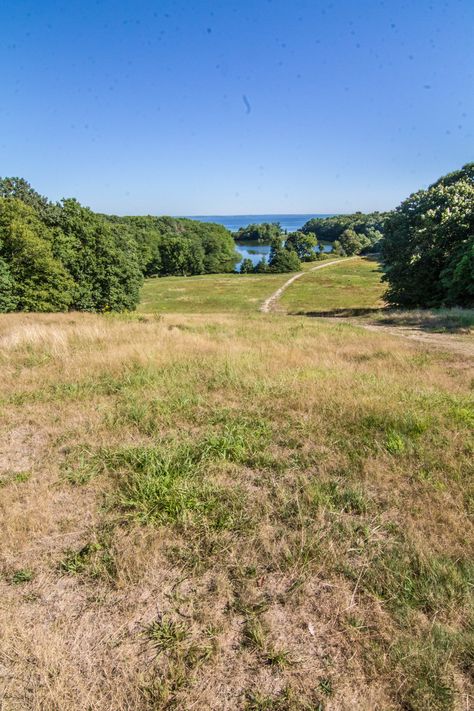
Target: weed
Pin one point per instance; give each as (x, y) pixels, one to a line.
(326, 686)
(94, 559)
(22, 576)
(394, 443)
(166, 634)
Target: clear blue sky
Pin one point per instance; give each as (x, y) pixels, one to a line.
(197, 107)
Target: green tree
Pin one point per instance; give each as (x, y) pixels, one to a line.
(246, 266)
(103, 261)
(352, 243)
(36, 280)
(427, 248)
(458, 277)
(330, 229)
(261, 267)
(303, 244)
(263, 233)
(180, 255)
(282, 259)
(8, 300)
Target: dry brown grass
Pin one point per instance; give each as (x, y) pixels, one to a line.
(201, 512)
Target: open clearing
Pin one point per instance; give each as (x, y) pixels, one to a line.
(354, 283)
(210, 293)
(210, 512)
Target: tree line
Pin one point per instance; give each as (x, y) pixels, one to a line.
(60, 256)
(63, 256)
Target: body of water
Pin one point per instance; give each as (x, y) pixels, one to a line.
(289, 223)
(253, 250)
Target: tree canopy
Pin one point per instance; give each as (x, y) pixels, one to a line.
(179, 246)
(282, 258)
(304, 244)
(368, 228)
(61, 256)
(263, 233)
(428, 246)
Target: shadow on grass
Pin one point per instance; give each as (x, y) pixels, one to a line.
(455, 320)
(342, 313)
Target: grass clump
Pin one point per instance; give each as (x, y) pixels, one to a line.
(95, 559)
(407, 580)
(13, 477)
(166, 634)
(335, 496)
(169, 483)
(22, 576)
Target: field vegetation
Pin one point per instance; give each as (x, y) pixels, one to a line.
(204, 294)
(210, 512)
(354, 285)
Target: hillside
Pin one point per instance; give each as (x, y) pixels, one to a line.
(201, 511)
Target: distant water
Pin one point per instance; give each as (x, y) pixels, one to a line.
(290, 223)
(253, 250)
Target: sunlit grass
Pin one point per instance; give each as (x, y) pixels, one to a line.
(273, 510)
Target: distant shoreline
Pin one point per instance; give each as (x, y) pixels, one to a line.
(289, 222)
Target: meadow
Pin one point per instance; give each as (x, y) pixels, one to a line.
(201, 511)
(353, 285)
(210, 293)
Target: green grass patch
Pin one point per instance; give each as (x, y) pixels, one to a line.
(354, 284)
(218, 293)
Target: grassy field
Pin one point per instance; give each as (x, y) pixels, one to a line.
(210, 512)
(209, 293)
(353, 284)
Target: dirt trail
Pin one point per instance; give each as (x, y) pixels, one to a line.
(443, 341)
(269, 304)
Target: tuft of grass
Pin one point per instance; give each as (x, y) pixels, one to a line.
(15, 478)
(427, 681)
(395, 443)
(407, 580)
(326, 686)
(167, 634)
(95, 559)
(22, 576)
(335, 496)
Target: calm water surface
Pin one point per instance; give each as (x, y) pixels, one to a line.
(254, 250)
(289, 223)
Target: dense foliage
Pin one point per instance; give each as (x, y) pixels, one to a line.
(263, 233)
(282, 258)
(429, 244)
(353, 234)
(303, 244)
(59, 256)
(179, 246)
(55, 257)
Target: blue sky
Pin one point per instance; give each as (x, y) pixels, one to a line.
(184, 107)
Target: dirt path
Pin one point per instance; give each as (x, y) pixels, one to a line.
(443, 341)
(270, 303)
